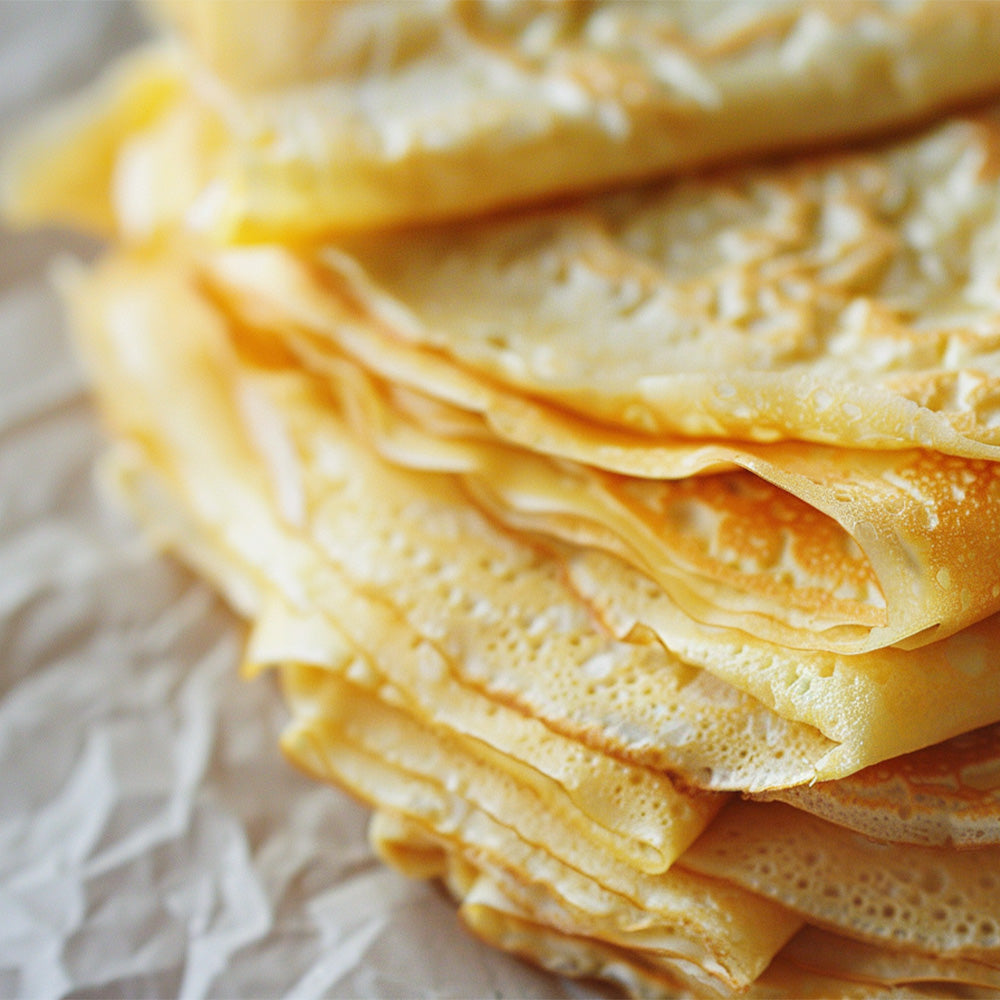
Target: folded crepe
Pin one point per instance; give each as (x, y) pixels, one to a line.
(258, 476)
(793, 974)
(679, 921)
(944, 795)
(670, 932)
(847, 300)
(342, 116)
(810, 545)
(517, 897)
(936, 901)
(814, 963)
(828, 327)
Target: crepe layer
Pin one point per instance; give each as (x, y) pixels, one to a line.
(304, 117)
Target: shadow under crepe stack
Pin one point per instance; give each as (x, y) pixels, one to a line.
(631, 552)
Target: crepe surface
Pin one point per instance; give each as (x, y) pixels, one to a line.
(935, 901)
(947, 794)
(346, 116)
(826, 325)
(626, 669)
(884, 576)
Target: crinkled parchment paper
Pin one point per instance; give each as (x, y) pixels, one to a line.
(153, 841)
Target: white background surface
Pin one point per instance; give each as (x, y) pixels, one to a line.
(153, 842)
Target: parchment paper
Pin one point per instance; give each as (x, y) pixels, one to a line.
(153, 841)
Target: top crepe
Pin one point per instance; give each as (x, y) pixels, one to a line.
(848, 300)
(341, 116)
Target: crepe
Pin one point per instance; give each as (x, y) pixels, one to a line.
(670, 917)
(944, 795)
(452, 577)
(347, 116)
(848, 299)
(813, 963)
(937, 901)
(626, 670)
(826, 326)
(825, 952)
(497, 920)
(563, 524)
(810, 545)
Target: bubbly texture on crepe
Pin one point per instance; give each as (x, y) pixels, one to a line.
(339, 116)
(946, 794)
(825, 330)
(498, 605)
(814, 962)
(849, 300)
(624, 666)
(830, 953)
(717, 931)
(937, 901)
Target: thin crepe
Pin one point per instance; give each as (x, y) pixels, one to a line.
(258, 465)
(813, 963)
(932, 900)
(341, 116)
(849, 302)
(944, 795)
(869, 547)
(340, 734)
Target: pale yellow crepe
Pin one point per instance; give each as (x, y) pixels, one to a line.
(813, 963)
(456, 581)
(849, 299)
(937, 901)
(828, 953)
(636, 814)
(559, 525)
(425, 769)
(686, 721)
(498, 921)
(257, 470)
(944, 795)
(716, 932)
(61, 169)
(346, 116)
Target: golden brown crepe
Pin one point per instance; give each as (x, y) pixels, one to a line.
(624, 667)
(847, 300)
(837, 548)
(828, 953)
(813, 963)
(675, 919)
(823, 330)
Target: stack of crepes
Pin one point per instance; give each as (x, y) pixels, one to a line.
(594, 409)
